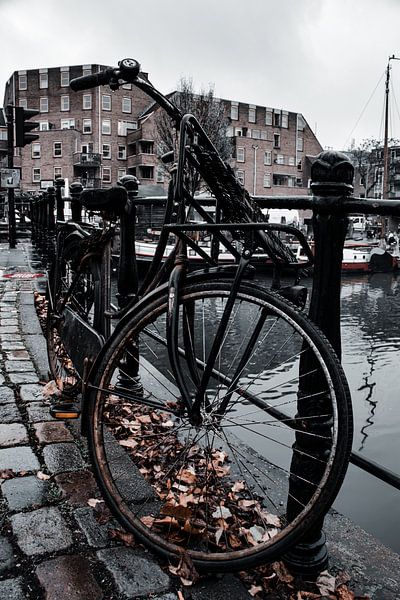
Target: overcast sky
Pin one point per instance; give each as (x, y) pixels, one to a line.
(323, 58)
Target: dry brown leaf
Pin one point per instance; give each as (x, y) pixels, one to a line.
(42, 476)
(326, 583)
(128, 539)
(51, 390)
(147, 520)
(93, 502)
(238, 486)
(7, 474)
(282, 572)
(185, 570)
(255, 589)
(129, 443)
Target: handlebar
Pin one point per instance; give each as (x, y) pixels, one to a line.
(128, 71)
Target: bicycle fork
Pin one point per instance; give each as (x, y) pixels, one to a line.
(194, 402)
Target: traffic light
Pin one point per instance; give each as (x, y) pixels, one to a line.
(23, 126)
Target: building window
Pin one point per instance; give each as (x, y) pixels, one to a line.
(57, 149)
(285, 119)
(44, 126)
(22, 81)
(267, 157)
(3, 135)
(57, 172)
(280, 180)
(234, 111)
(67, 123)
(107, 174)
(299, 145)
(277, 140)
(280, 159)
(299, 165)
(268, 116)
(256, 134)
(291, 181)
(87, 101)
(23, 103)
(240, 176)
(86, 69)
(146, 172)
(300, 123)
(44, 105)
(267, 180)
(36, 150)
(87, 126)
(122, 152)
(43, 80)
(126, 105)
(64, 103)
(64, 76)
(105, 102)
(277, 118)
(106, 126)
(121, 173)
(292, 161)
(36, 175)
(125, 126)
(252, 113)
(106, 151)
(240, 154)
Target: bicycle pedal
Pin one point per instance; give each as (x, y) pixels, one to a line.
(65, 411)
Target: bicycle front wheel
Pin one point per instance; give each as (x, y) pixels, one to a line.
(269, 453)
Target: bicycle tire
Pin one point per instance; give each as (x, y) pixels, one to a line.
(225, 512)
(84, 300)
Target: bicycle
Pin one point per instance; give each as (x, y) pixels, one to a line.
(211, 391)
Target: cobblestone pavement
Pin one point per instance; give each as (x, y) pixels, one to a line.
(51, 545)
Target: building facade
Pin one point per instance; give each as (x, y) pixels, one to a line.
(82, 135)
(96, 136)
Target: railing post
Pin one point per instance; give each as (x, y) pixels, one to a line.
(76, 209)
(51, 223)
(331, 179)
(128, 281)
(59, 183)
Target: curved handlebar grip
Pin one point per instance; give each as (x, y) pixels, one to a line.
(90, 81)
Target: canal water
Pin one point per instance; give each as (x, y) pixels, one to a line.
(371, 360)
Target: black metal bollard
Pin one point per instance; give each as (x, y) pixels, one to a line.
(331, 179)
(76, 209)
(59, 184)
(128, 281)
(51, 222)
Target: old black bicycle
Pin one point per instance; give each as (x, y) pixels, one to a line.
(202, 402)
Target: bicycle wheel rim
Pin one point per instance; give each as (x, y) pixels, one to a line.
(82, 300)
(280, 537)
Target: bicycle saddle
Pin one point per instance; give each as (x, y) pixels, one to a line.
(109, 199)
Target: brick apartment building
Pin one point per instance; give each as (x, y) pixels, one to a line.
(96, 136)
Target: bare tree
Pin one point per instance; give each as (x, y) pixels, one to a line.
(208, 110)
(367, 159)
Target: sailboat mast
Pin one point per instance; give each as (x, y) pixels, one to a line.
(385, 182)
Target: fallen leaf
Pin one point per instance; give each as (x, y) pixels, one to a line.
(185, 570)
(326, 583)
(93, 502)
(7, 474)
(128, 539)
(221, 512)
(50, 390)
(129, 443)
(42, 476)
(255, 589)
(238, 486)
(282, 573)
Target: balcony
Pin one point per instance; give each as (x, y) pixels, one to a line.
(90, 182)
(141, 159)
(86, 159)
